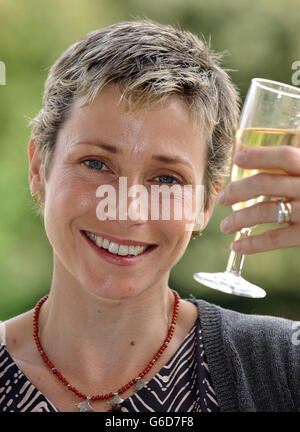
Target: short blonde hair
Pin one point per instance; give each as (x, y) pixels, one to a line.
(148, 61)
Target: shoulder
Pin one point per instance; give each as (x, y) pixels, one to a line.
(269, 342)
(6, 361)
(240, 326)
(260, 334)
(261, 340)
(253, 352)
(16, 335)
(237, 324)
(3, 354)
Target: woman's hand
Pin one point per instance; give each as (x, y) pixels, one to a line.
(268, 184)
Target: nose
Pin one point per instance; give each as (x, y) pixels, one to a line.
(133, 204)
(127, 203)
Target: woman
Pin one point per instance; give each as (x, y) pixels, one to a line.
(112, 335)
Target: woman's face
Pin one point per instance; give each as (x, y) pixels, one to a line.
(97, 145)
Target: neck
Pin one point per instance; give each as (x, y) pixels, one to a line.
(117, 337)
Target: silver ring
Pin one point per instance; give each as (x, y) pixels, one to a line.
(284, 212)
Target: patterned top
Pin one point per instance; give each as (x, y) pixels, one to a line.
(182, 385)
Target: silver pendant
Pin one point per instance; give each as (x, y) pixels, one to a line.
(85, 406)
(116, 401)
(140, 384)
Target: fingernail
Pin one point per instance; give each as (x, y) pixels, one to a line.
(240, 157)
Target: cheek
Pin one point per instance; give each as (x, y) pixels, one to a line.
(177, 241)
(175, 233)
(85, 201)
(68, 199)
(187, 210)
(183, 205)
(178, 217)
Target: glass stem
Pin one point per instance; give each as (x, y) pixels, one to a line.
(236, 260)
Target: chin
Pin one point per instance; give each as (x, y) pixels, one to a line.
(113, 291)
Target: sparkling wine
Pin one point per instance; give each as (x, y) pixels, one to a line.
(270, 117)
(261, 137)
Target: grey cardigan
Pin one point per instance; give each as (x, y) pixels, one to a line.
(253, 359)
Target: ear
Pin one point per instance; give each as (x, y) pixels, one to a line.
(35, 168)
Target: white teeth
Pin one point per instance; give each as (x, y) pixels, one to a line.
(114, 247)
(105, 243)
(99, 241)
(131, 250)
(123, 250)
(139, 249)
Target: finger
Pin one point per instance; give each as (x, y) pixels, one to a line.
(266, 184)
(278, 238)
(264, 212)
(286, 158)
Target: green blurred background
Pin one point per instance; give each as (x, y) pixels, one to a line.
(261, 38)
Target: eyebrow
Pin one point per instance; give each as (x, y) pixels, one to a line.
(115, 150)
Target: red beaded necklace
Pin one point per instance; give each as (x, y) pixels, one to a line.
(115, 398)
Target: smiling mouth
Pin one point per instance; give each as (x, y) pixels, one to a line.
(117, 248)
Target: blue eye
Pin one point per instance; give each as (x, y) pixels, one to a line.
(95, 164)
(168, 179)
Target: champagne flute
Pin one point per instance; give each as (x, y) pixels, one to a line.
(270, 117)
